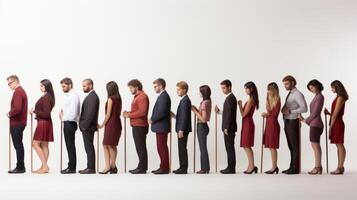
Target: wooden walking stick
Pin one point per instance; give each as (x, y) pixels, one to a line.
(300, 145)
(124, 144)
(170, 146)
(262, 148)
(9, 148)
(97, 151)
(31, 143)
(326, 133)
(61, 158)
(215, 139)
(194, 143)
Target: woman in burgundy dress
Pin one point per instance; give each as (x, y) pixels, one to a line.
(337, 126)
(248, 127)
(113, 128)
(44, 129)
(272, 128)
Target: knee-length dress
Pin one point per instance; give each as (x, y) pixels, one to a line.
(272, 128)
(248, 129)
(338, 128)
(113, 127)
(44, 128)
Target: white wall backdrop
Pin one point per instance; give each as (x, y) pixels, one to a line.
(200, 41)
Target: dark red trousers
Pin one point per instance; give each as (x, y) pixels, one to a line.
(162, 149)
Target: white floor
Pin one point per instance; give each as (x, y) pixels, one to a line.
(214, 186)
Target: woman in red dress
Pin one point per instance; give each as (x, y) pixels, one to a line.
(44, 129)
(248, 127)
(337, 126)
(272, 128)
(113, 128)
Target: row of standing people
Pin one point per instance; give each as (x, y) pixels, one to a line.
(85, 117)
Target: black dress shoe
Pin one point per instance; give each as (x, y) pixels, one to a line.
(138, 171)
(292, 172)
(68, 171)
(254, 170)
(87, 171)
(160, 171)
(132, 170)
(114, 170)
(180, 171)
(227, 171)
(284, 171)
(17, 171)
(153, 171)
(202, 172)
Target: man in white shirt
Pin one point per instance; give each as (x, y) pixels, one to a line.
(69, 116)
(295, 104)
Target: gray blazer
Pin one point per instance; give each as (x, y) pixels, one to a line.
(316, 106)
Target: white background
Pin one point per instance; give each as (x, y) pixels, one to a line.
(200, 41)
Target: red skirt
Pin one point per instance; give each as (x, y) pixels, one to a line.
(272, 133)
(44, 131)
(247, 134)
(337, 132)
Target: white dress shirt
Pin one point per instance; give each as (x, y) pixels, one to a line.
(71, 106)
(296, 103)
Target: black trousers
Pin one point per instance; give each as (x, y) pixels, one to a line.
(231, 152)
(139, 135)
(293, 137)
(182, 150)
(202, 132)
(69, 129)
(88, 139)
(17, 133)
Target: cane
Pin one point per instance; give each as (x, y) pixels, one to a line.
(61, 158)
(194, 143)
(31, 143)
(170, 145)
(262, 148)
(97, 151)
(299, 145)
(9, 148)
(326, 133)
(124, 144)
(215, 139)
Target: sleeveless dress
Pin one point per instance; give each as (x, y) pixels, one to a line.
(248, 129)
(338, 128)
(113, 127)
(272, 128)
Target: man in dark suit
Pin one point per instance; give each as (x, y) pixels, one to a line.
(88, 124)
(229, 125)
(161, 124)
(183, 126)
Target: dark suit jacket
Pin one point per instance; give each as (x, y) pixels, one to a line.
(89, 114)
(161, 114)
(183, 116)
(229, 118)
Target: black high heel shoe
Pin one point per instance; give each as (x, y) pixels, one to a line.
(276, 170)
(114, 170)
(255, 170)
(105, 172)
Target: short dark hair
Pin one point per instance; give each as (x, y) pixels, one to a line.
(183, 85)
(160, 81)
(226, 83)
(13, 77)
(135, 83)
(291, 79)
(90, 81)
(67, 81)
(316, 84)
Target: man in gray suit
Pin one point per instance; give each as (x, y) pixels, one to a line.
(88, 124)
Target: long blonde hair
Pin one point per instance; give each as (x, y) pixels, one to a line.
(274, 99)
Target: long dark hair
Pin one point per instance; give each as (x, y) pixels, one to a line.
(113, 89)
(253, 92)
(49, 90)
(206, 92)
(340, 89)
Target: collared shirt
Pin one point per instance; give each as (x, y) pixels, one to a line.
(71, 106)
(296, 103)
